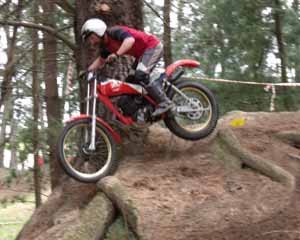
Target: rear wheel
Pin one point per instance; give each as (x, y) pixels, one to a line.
(78, 160)
(195, 117)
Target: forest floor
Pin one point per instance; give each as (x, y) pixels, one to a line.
(16, 202)
(181, 190)
(190, 194)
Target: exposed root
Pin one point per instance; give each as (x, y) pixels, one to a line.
(113, 188)
(290, 137)
(94, 220)
(263, 166)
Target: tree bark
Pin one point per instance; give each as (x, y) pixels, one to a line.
(135, 16)
(13, 143)
(297, 63)
(35, 112)
(6, 87)
(167, 33)
(278, 14)
(279, 37)
(52, 98)
(296, 6)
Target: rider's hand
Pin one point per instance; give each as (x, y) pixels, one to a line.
(98, 63)
(92, 68)
(111, 58)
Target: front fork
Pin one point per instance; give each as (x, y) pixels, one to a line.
(93, 97)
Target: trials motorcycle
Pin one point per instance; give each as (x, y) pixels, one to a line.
(87, 144)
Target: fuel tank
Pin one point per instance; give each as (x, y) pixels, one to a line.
(113, 87)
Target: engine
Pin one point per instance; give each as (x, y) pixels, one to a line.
(135, 107)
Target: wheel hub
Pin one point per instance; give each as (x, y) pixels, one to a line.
(194, 103)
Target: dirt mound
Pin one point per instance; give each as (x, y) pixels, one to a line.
(167, 188)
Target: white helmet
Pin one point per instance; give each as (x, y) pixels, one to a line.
(93, 25)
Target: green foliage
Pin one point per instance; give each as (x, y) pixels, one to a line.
(8, 180)
(236, 40)
(250, 98)
(11, 177)
(4, 202)
(13, 173)
(19, 198)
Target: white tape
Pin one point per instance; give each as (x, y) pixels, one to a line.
(244, 82)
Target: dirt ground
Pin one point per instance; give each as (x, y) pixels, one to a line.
(11, 188)
(189, 194)
(181, 190)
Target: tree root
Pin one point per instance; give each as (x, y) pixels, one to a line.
(228, 143)
(94, 220)
(290, 137)
(114, 190)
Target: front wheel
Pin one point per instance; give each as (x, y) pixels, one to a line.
(78, 160)
(196, 112)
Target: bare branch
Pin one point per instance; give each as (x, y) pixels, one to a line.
(43, 28)
(153, 10)
(65, 5)
(4, 5)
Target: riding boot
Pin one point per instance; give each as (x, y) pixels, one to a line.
(155, 91)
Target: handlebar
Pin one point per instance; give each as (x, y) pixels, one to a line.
(88, 75)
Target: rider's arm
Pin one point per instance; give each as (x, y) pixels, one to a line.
(119, 34)
(98, 63)
(126, 46)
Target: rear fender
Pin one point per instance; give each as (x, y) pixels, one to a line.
(181, 63)
(115, 135)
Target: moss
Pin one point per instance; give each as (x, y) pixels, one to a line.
(116, 192)
(94, 220)
(119, 231)
(222, 153)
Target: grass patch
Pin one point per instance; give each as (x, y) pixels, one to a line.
(13, 216)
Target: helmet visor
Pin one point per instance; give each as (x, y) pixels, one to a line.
(85, 35)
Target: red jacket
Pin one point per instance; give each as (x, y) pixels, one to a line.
(117, 34)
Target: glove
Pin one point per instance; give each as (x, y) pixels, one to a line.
(111, 58)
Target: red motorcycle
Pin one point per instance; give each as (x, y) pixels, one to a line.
(87, 144)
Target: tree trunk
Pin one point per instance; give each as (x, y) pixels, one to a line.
(278, 14)
(3, 137)
(167, 33)
(6, 88)
(296, 6)
(13, 144)
(279, 37)
(52, 98)
(35, 112)
(135, 18)
(297, 63)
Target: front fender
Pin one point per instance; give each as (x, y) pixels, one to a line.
(99, 120)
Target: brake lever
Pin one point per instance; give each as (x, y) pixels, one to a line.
(83, 73)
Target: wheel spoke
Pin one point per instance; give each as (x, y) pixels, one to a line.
(77, 156)
(192, 120)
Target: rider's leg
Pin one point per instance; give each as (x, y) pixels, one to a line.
(154, 89)
(145, 66)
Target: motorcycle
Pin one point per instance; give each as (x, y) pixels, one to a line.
(87, 145)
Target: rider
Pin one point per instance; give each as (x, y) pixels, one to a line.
(121, 40)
